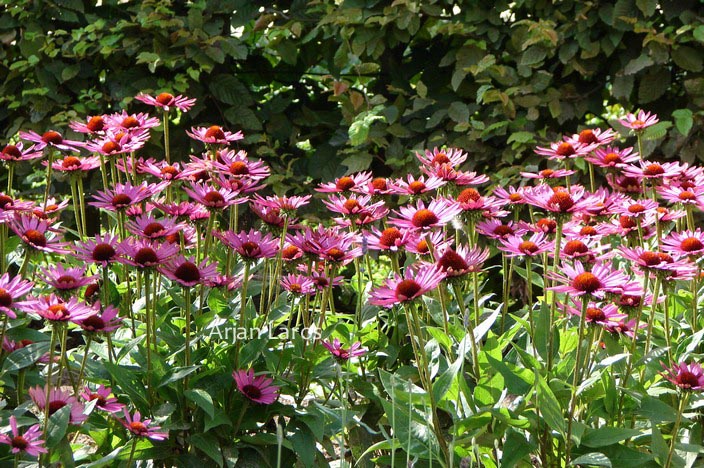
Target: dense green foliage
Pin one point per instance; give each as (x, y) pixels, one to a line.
(322, 87)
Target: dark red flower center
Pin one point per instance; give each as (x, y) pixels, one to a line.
(5, 298)
(588, 231)
(452, 261)
(336, 254)
(174, 238)
(636, 208)
(110, 147)
(594, 314)
(344, 183)
(406, 289)
(351, 205)
(52, 137)
(546, 225)
(468, 195)
(546, 173)
(103, 252)
(12, 151)
(389, 236)
(35, 237)
(59, 311)
(130, 122)
(146, 256)
(528, 247)
(214, 198)
(215, 132)
(687, 379)
(416, 186)
(424, 218)
(164, 99)
(95, 396)
(290, 252)
(91, 290)
(653, 169)
(612, 158)
(691, 244)
(55, 406)
(94, 323)
(379, 183)
(422, 247)
(564, 149)
(440, 158)
(250, 249)
(587, 137)
(650, 258)
(138, 427)
(153, 228)
(687, 196)
(239, 168)
(252, 391)
(70, 162)
(66, 280)
(19, 442)
(121, 200)
(503, 230)
(562, 199)
(295, 287)
(627, 222)
(95, 124)
(575, 247)
(5, 201)
(169, 172)
(187, 272)
(586, 282)
(628, 300)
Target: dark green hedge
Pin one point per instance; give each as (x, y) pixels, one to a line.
(320, 88)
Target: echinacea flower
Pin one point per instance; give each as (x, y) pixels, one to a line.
(75, 164)
(238, 165)
(258, 389)
(652, 170)
(50, 138)
(12, 289)
(122, 121)
(560, 201)
(115, 142)
(458, 262)
(187, 272)
(576, 281)
(590, 136)
(606, 314)
(413, 284)
(58, 398)
(517, 246)
(105, 401)
(453, 176)
(101, 250)
(413, 186)
(214, 135)
(375, 187)
(28, 442)
(122, 196)
(683, 195)
(55, 310)
(145, 254)
(66, 279)
(17, 153)
(161, 169)
(687, 242)
(346, 183)
(167, 101)
(496, 229)
(390, 239)
(286, 205)
(250, 245)
(152, 228)
(640, 121)
(93, 125)
(213, 198)
(36, 233)
(687, 377)
(438, 157)
(298, 285)
(565, 150)
(437, 214)
(612, 157)
(142, 428)
(341, 353)
(105, 321)
(548, 174)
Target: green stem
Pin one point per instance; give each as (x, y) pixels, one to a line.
(86, 351)
(50, 366)
(575, 381)
(187, 298)
(468, 324)
(48, 176)
(678, 421)
(166, 137)
(134, 447)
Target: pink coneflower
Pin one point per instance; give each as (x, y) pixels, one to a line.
(370, 214)
(612, 157)
(339, 250)
(250, 245)
(54, 309)
(101, 250)
(118, 142)
(639, 122)
(286, 205)
(122, 196)
(75, 164)
(346, 183)
(105, 321)
(390, 239)
(560, 200)
(102, 397)
(622, 327)
(167, 101)
(657, 263)
(548, 174)
(421, 243)
(12, 289)
(576, 281)
(36, 233)
(350, 206)
(577, 249)
(28, 442)
(52, 139)
(682, 195)
(58, 398)
(652, 170)
(50, 209)
(579, 230)
(238, 165)
(214, 135)
(625, 225)
(496, 229)
(17, 153)
(624, 184)
(230, 283)
(92, 125)
(145, 253)
(121, 121)
(437, 214)
(606, 314)
(141, 428)
(402, 289)
(187, 272)
(451, 175)
(637, 208)
(688, 377)
(472, 202)
(239, 185)
(565, 150)
(514, 196)
(687, 242)
(66, 279)
(517, 246)
(437, 157)
(161, 169)
(592, 136)
(413, 186)
(270, 216)
(299, 285)
(341, 353)
(462, 260)
(258, 389)
(152, 228)
(213, 198)
(376, 187)
(320, 279)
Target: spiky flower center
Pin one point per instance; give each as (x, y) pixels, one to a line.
(187, 272)
(66, 281)
(612, 158)
(416, 187)
(547, 225)
(70, 162)
(379, 183)
(574, 247)
(424, 218)
(290, 252)
(103, 252)
(389, 236)
(594, 314)
(336, 254)
(121, 200)
(164, 99)
(130, 122)
(546, 173)
(628, 300)
(422, 247)
(528, 247)
(214, 198)
(515, 197)
(503, 230)
(35, 237)
(587, 137)
(653, 170)
(407, 289)
(58, 311)
(563, 200)
(239, 168)
(5, 201)
(344, 183)
(351, 205)
(169, 172)
(452, 261)
(637, 123)
(687, 379)
(93, 323)
(146, 256)
(295, 288)
(19, 442)
(686, 195)
(154, 228)
(627, 222)
(440, 158)
(91, 290)
(5, 298)
(56, 405)
(110, 147)
(252, 391)
(468, 195)
(565, 149)
(12, 151)
(691, 244)
(94, 396)
(52, 137)
(95, 124)
(588, 231)
(138, 427)
(586, 282)
(215, 132)
(250, 249)
(636, 208)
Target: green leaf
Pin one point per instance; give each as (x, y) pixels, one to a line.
(303, 444)
(522, 137)
(698, 33)
(359, 130)
(592, 459)
(607, 436)
(178, 373)
(444, 383)
(653, 85)
(58, 423)
(203, 399)
(459, 112)
(689, 58)
(647, 7)
(549, 407)
(219, 420)
(230, 90)
(127, 381)
(208, 444)
(657, 131)
(533, 55)
(25, 357)
(516, 383)
(357, 162)
(656, 411)
(637, 64)
(683, 120)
